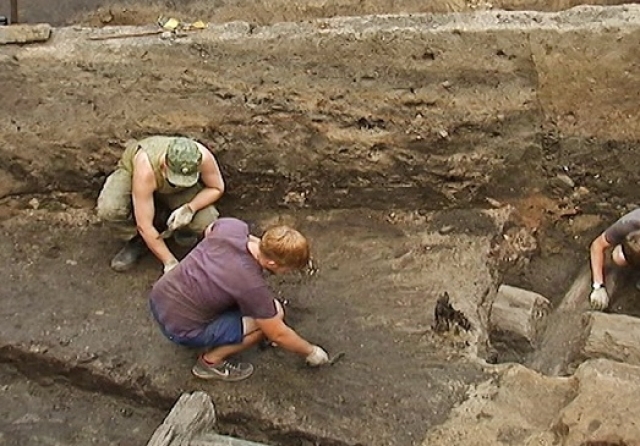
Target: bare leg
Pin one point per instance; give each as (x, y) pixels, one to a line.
(252, 336)
(219, 354)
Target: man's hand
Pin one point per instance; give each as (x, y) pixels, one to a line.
(180, 217)
(317, 357)
(170, 264)
(599, 299)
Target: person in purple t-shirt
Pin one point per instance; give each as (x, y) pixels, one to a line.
(624, 236)
(218, 298)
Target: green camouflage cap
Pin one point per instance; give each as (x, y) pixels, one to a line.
(183, 162)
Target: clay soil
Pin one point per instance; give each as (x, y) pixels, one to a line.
(78, 324)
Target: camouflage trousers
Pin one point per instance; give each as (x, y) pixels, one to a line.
(115, 206)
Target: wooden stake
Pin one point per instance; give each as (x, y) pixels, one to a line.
(14, 11)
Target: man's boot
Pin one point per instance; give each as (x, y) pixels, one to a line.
(185, 238)
(132, 251)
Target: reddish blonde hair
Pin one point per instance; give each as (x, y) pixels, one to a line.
(285, 246)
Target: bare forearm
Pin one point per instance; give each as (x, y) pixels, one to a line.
(156, 244)
(597, 263)
(291, 341)
(205, 198)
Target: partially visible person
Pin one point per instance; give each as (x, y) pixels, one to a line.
(217, 298)
(624, 237)
(155, 176)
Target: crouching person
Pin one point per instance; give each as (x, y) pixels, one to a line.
(218, 298)
(157, 175)
(624, 237)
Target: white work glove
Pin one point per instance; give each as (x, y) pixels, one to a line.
(599, 299)
(317, 357)
(180, 217)
(170, 264)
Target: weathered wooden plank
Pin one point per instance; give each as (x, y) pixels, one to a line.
(612, 336)
(191, 416)
(519, 311)
(24, 33)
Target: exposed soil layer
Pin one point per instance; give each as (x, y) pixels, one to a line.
(421, 154)
(52, 411)
(263, 12)
(371, 298)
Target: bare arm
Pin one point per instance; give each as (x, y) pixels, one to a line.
(598, 247)
(213, 182)
(277, 331)
(144, 185)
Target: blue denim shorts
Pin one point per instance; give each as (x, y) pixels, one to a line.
(226, 329)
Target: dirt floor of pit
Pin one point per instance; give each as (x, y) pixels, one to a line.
(373, 298)
(51, 412)
(65, 308)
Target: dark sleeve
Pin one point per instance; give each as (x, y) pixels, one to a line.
(616, 233)
(258, 303)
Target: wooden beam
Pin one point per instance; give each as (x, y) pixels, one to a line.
(520, 312)
(612, 336)
(14, 12)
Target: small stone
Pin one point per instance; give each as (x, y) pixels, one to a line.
(446, 84)
(442, 133)
(445, 229)
(71, 262)
(99, 313)
(566, 179)
(34, 203)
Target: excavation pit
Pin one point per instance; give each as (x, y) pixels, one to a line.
(422, 154)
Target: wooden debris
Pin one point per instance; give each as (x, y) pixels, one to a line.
(127, 35)
(520, 312)
(612, 336)
(191, 416)
(447, 317)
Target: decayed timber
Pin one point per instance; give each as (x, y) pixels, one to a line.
(612, 336)
(222, 440)
(192, 415)
(519, 311)
(14, 11)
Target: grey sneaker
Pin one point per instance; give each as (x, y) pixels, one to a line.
(225, 371)
(129, 254)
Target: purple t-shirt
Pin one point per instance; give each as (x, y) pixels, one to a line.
(218, 275)
(628, 223)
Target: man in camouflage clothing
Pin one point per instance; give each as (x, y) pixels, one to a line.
(175, 173)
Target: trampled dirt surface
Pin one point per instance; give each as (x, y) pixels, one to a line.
(371, 298)
(50, 411)
(444, 182)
